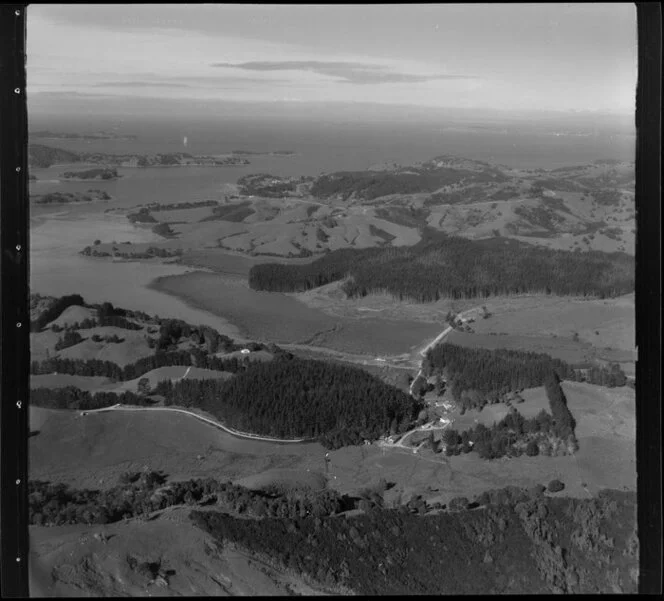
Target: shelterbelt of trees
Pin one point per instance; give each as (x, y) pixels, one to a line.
(296, 398)
(477, 376)
(108, 369)
(546, 434)
(70, 397)
(443, 266)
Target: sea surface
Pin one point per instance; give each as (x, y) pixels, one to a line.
(319, 147)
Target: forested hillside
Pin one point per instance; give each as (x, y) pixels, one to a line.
(428, 177)
(296, 398)
(536, 545)
(452, 267)
(45, 156)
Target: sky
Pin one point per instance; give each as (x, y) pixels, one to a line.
(506, 57)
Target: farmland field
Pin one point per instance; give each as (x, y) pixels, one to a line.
(93, 451)
(606, 431)
(118, 442)
(559, 348)
(602, 323)
(566, 349)
(63, 565)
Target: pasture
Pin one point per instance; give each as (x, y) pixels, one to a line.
(601, 323)
(88, 383)
(134, 346)
(74, 314)
(173, 373)
(92, 451)
(74, 561)
(565, 349)
(606, 457)
(285, 479)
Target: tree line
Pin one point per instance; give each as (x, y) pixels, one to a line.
(392, 551)
(54, 310)
(131, 371)
(70, 397)
(295, 398)
(139, 493)
(443, 266)
(477, 376)
(69, 338)
(546, 434)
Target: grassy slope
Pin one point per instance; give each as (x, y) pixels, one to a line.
(101, 446)
(117, 442)
(69, 560)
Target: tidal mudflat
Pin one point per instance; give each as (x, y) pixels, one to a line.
(57, 269)
(281, 318)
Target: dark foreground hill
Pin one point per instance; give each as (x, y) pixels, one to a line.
(540, 545)
(511, 540)
(452, 267)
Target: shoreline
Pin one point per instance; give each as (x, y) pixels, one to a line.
(233, 330)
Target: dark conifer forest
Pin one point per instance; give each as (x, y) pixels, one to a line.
(294, 398)
(477, 376)
(451, 267)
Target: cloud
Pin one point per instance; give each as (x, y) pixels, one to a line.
(140, 84)
(349, 72)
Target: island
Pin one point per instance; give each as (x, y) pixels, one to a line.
(70, 197)
(40, 155)
(101, 135)
(280, 153)
(96, 174)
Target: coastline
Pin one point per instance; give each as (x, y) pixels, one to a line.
(231, 329)
(284, 320)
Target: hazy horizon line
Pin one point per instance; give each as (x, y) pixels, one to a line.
(152, 103)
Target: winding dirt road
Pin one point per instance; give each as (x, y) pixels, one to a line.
(217, 424)
(438, 339)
